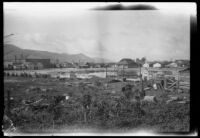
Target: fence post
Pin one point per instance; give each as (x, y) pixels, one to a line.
(106, 71)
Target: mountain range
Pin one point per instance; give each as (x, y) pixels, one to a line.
(11, 51)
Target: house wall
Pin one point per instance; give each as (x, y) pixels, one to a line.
(132, 66)
(45, 62)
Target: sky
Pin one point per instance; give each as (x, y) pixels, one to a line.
(162, 34)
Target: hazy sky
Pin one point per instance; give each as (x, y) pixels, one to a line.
(157, 35)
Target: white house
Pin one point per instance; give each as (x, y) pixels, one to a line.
(146, 65)
(157, 65)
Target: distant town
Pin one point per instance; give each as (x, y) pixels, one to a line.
(36, 63)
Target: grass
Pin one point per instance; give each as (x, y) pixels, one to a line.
(104, 110)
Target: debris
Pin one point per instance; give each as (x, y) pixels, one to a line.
(43, 90)
(133, 79)
(58, 99)
(173, 99)
(180, 91)
(114, 80)
(155, 86)
(8, 125)
(27, 90)
(106, 85)
(86, 101)
(150, 99)
(98, 83)
(68, 83)
(67, 97)
(169, 90)
(113, 92)
(148, 88)
(183, 102)
(30, 102)
(185, 98)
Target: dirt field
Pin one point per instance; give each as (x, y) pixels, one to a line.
(34, 107)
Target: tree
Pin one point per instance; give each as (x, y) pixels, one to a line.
(143, 60)
(137, 60)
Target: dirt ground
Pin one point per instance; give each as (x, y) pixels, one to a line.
(108, 109)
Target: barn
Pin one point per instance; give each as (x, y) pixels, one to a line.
(172, 65)
(127, 63)
(42, 62)
(157, 65)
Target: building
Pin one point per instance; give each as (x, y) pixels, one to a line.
(29, 66)
(39, 66)
(8, 65)
(19, 66)
(65, 65)
(172, 65)
(111, 65)
(75, 65)
(44, 63)
(157, 65)
(127, 63)
(146, 65)
(97, 65)
(83, 65)
(90, 65)
(69, 65)
(183, 63)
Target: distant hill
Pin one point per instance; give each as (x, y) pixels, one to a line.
(10, 51)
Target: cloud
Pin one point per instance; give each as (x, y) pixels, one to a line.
(112, 35)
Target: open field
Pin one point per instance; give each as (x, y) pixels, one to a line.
(34, 108)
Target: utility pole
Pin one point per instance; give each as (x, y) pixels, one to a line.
(123, 71)
(141, 78)
(141, 81)
(106, 71)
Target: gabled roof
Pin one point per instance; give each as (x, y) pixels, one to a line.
(172, 64)
(123, 63)
(126, 61)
